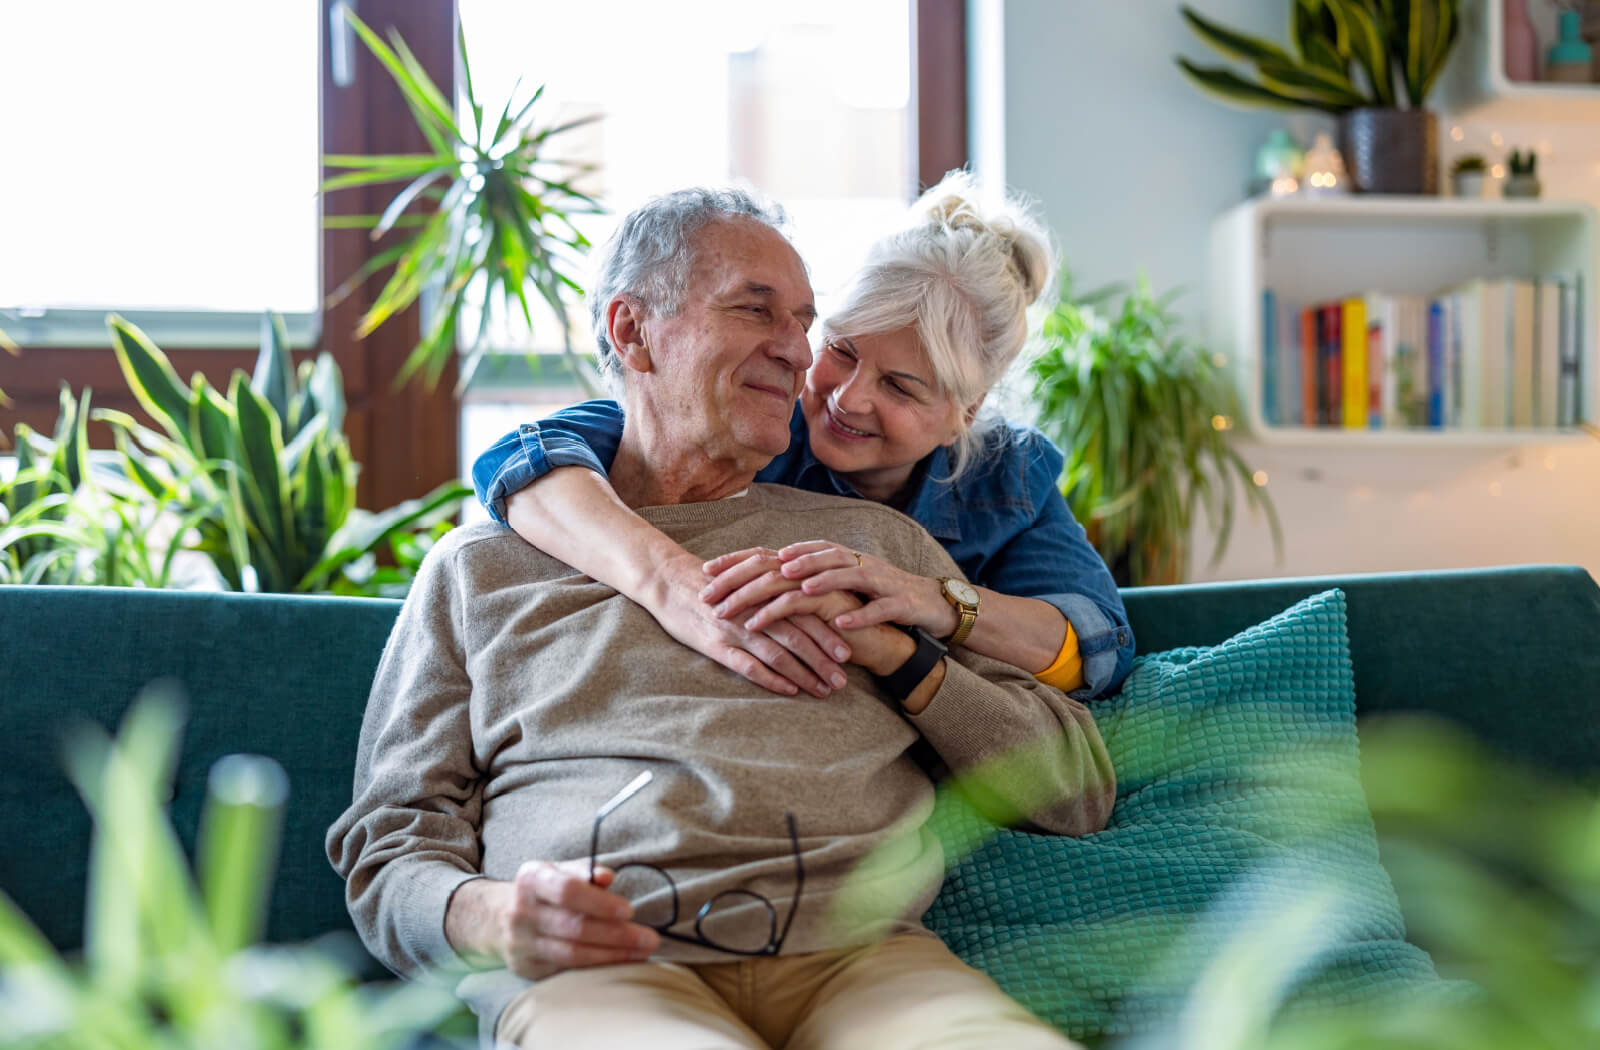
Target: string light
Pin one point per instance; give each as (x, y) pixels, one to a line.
(1457, 134)
(1496, 139)
(1219, 423)
(1260, 478)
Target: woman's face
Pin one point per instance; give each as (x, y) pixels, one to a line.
(874, 410)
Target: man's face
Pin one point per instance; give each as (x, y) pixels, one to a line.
(725, 370)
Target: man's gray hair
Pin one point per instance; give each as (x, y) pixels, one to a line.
(653, 251)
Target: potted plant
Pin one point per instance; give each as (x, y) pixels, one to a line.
(501, 225)
(1145, 418)
(1371, 63)
(1522, 177)
(1467, 175)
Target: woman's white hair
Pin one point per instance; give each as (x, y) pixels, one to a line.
(963, 275)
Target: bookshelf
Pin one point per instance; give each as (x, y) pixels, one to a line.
(1308, 250)
(1475, 80)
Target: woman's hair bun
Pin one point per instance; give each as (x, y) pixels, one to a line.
(958, 204)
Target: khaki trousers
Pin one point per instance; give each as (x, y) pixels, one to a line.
(909, 991)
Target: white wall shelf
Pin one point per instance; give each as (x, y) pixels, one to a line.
(1310, 250)
(1475, 80)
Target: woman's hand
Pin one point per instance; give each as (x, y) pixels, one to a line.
(784, 655)
(819, 567)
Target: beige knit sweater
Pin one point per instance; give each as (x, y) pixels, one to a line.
(515, 696)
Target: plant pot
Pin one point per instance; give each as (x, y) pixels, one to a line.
(1521, 186)
(1391, 150)
(1468, 184)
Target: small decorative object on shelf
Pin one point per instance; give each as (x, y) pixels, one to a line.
(1280, 162)
(1570, 61)
(1522, 178)
(1467, 176)
(1371, 65)
(1325, 174)
(1522, 43)
(1589, 29)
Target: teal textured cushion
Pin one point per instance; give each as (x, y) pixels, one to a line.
(1238, 788)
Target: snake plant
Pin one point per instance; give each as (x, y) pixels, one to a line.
(264, 472)
(501, 222)
(1346, 54)
(1142, 415)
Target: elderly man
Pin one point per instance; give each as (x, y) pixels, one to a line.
(759, 878)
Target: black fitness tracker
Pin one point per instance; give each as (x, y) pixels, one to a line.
(903, 680)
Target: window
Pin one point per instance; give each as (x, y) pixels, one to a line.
(160, 168)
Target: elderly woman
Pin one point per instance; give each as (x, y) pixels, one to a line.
(890, 411)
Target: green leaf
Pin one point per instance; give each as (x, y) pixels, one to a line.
(403, 200)
(1232, 43)
(1368, 46)
(1311, 81)
(151, 378)
(260, 443)
(366, 532)
(273, 375)
(1229, 87)
(418, 89)
(240, 830)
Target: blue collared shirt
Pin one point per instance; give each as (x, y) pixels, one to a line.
(1003, 521)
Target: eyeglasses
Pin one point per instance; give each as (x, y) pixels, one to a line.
(708, 910)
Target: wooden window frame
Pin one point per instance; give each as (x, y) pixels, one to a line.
(407, 439)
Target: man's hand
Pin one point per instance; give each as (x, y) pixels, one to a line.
(792, 651)
(549, 919)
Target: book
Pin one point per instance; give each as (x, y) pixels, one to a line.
(1353, 363)
(1331, 400)
(1546, 353)
(1469, 331)
(1570, 341)
(1288, 382)
(1310, 328)
(1377, 327)
(1521, 376)
(1493, 355)
(1436, 364)
(1269, 357)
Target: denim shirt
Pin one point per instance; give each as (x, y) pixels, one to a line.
(1003, 521)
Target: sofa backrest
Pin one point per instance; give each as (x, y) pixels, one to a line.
(1514, 653)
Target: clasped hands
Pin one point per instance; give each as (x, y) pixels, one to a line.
(788, 619)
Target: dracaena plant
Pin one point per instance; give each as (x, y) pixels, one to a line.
(263, 474)
(171, 956)
(500, 226)
(1143, 417)
(1346, 54)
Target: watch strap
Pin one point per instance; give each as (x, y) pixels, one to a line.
(903, 680)
(968, 620)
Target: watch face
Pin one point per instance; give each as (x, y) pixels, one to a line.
(962, 591)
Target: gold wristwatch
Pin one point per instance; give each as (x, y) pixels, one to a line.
(964, 597)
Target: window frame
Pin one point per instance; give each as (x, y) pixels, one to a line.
(407, 439)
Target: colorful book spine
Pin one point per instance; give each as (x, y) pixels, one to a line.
(1331, 343)
(1310, 359)
(1353, 354)
(1436, 364)
(1567, 383)
(1546, 353)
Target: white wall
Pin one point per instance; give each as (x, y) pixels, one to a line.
(1132, 164)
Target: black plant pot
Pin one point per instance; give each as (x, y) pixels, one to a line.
(1391, 150)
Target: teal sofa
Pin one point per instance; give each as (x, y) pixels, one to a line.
(288, 677)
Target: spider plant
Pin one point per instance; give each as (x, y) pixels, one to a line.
(1144, 418)
(501, 222)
